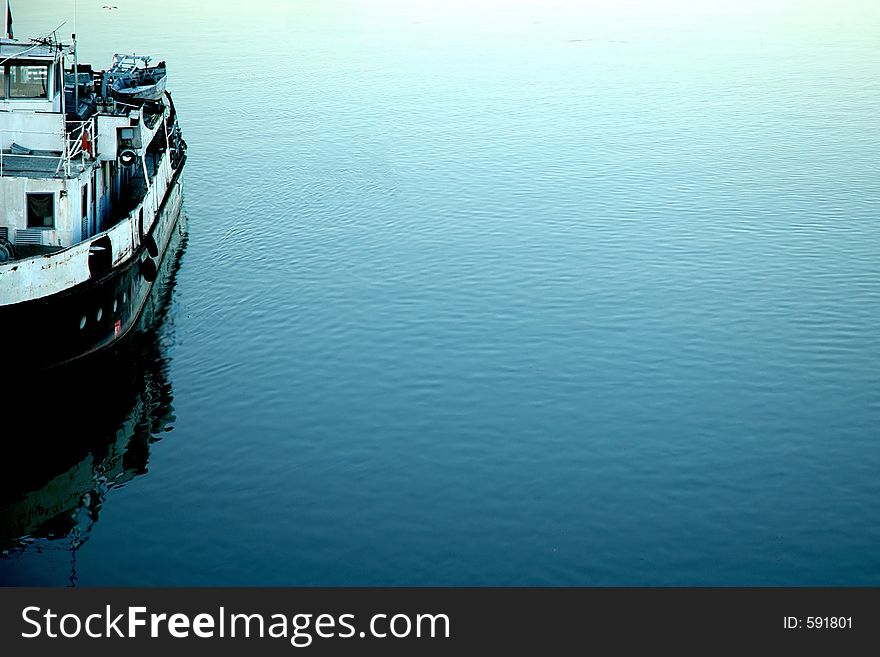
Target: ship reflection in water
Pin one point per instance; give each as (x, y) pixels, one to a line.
(62, 461)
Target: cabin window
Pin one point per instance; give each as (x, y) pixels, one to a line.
(28, 80)
(41, 210)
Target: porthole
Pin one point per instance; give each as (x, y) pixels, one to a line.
(82, 323)
(99, 315)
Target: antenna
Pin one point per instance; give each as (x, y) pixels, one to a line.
(75, 66)
(50, 38)
(55, 31)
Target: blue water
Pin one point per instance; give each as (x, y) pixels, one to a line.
(479, 293)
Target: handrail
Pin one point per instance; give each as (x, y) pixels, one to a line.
(73, 144)
(81, 139)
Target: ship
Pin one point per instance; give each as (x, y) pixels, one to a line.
(91, 191)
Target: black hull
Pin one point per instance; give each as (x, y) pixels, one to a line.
(94, 315)
(57, 468)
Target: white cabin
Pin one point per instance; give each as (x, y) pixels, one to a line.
(60, 179)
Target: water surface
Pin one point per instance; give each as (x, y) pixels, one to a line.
(498, 293)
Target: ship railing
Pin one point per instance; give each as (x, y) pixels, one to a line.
(128, 106)
(11, 162)
(78, 141)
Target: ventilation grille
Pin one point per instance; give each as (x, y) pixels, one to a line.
(4, 234)
(29, 236)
